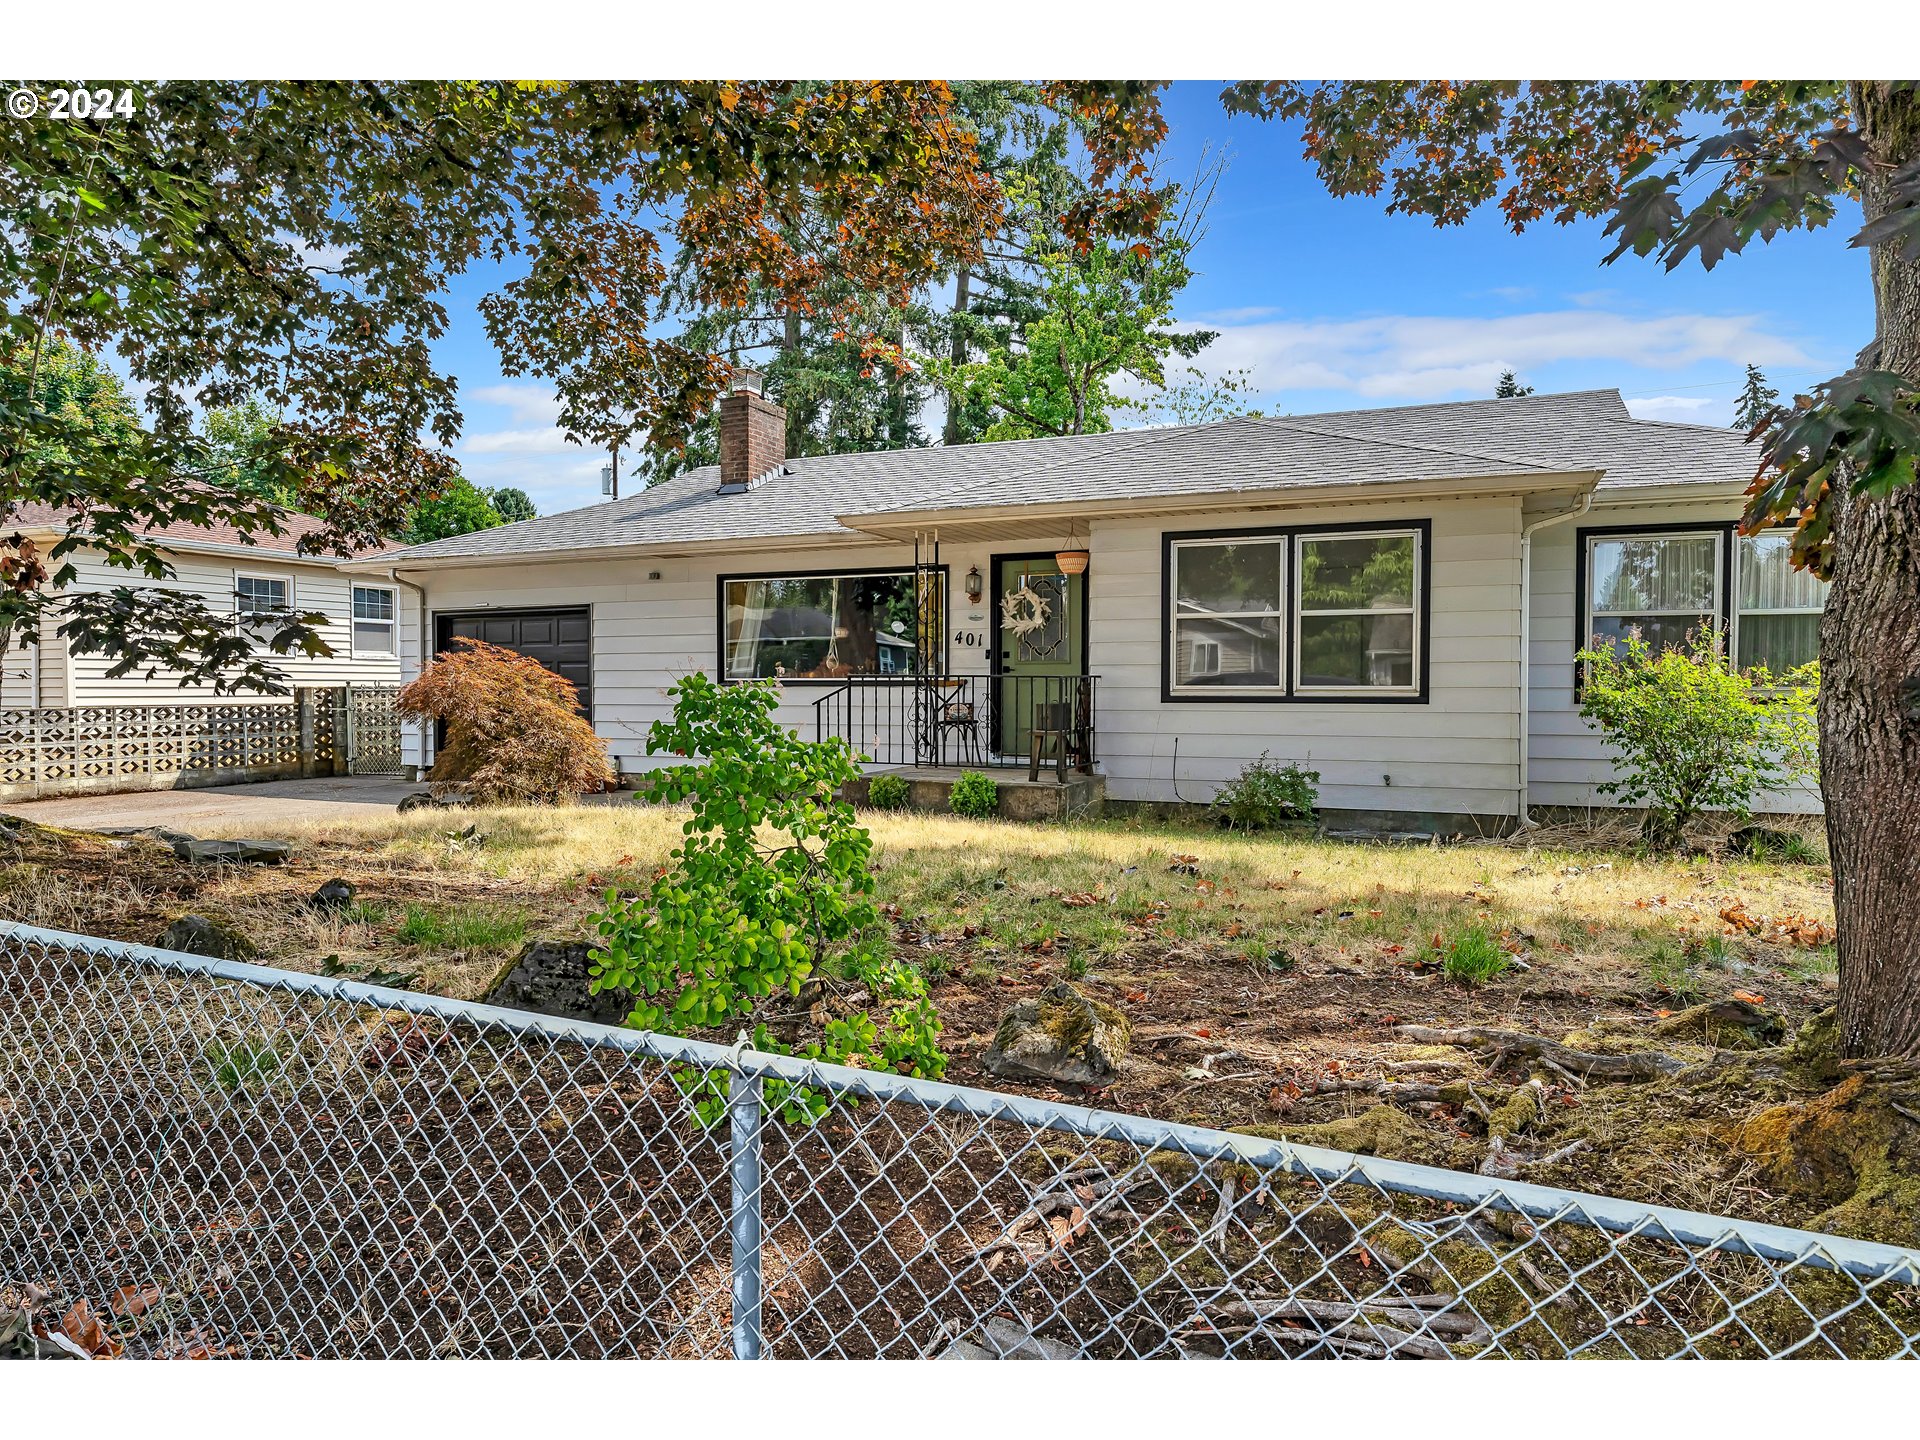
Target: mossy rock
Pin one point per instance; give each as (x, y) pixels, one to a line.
(1728, 1024)
(1850, 1149)
(1381, 1130)
(1060, 1035)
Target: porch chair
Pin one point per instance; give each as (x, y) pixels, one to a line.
(1066, 726)
(951, 713)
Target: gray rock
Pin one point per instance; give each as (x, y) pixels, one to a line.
(999, 1339)
(336, 894)
(197, 935)
(233, 852)
(1060, 1035)
(550, 977)
(148, 832)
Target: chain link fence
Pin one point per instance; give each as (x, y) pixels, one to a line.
(226, 1160)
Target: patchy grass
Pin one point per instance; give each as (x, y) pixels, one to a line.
(461, 929)
(1474, 957)
(1248, 965)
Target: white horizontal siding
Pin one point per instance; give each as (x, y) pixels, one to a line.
(649, 633)
(316, 586)
(1566, 758)
(1456, 752)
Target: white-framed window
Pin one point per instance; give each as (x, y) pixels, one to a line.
(1663, 584)
(261, 594)
(1776, 622)
(374, 627)
(1357, 612)
(1228, 614)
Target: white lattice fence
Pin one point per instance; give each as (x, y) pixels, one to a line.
(103, 748)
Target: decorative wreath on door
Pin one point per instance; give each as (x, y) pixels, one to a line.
(1024, 612)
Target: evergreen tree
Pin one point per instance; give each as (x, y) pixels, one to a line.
(1756, 401)
(1509, 388)
(511, 503)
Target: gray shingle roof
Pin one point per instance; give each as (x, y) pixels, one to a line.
(1534, 435)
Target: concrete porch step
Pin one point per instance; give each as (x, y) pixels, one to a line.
(930, 786)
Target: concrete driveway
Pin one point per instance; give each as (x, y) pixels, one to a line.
(258, 810)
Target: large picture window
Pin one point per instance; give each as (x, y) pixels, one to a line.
(1357, 611)
(825, 627)
(1667, 584)
(1289, 614)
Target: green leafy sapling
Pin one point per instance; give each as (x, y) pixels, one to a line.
(770, 889)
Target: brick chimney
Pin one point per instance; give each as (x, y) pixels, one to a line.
(753, 435)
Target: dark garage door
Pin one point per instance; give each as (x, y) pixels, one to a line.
(561, 640)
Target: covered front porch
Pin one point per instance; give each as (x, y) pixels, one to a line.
(1041, 723)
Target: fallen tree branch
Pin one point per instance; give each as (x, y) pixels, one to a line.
(1509, 1044)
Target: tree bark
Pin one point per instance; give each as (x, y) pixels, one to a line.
(1870, 667)
(958, 354)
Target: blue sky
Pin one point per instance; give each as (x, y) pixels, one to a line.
(1333, 304)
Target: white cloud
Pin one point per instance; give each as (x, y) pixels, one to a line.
(526, 403)
(1406, 357)
(536, 440)
(1689, 408)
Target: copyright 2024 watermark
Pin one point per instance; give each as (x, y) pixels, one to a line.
(102, 104)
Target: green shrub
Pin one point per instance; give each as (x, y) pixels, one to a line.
(974, 795)
(1474, 957)
(1265, 795)
(1695, 734)
(888, 792)
(771, 885)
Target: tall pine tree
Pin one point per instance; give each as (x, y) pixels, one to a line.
(1755, 404)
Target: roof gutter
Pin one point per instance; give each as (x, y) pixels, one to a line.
(1527, 532)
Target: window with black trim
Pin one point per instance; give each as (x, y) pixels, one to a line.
(373, 621)
(1666, 584)
(823, 627)
(1283, 614)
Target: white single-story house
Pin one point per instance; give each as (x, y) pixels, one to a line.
(1392, 597)
(230, 571)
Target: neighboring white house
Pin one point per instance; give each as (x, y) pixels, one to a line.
(229, 571)
(1393, 597)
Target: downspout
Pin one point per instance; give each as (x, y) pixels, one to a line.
(393, 574)
(1526, 648)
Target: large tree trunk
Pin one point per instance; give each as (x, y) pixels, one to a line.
(958, 355)
(1870, 670)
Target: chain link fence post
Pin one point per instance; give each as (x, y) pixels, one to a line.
(743, 1108)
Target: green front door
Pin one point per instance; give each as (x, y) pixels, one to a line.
(1042, 638)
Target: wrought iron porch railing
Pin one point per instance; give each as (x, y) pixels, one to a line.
(975, 721)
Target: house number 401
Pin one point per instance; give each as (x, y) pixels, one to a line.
(969, 637)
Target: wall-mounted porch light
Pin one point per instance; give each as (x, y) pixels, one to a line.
(975, 585)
